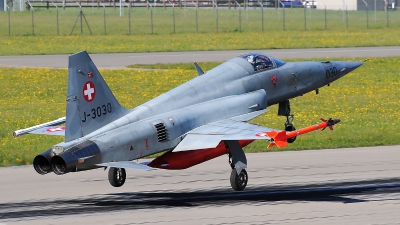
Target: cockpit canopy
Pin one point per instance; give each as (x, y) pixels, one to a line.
(262, 62)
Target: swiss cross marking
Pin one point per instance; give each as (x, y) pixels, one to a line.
(261, 134)
(89, 91)
(274, 79)
(55, 129)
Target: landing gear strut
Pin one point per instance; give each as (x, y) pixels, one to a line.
(238, 163)
(284, 110)
(116, 176)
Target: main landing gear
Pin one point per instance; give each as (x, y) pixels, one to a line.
(284, 110)
(238, 163)
(116, 176)
(239, 181)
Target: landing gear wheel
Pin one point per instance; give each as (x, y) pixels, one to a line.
(290, 127)
(238, 182)
(116, 176)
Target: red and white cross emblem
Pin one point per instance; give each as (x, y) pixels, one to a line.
(261, 134)
(55, 129)
(89, 91)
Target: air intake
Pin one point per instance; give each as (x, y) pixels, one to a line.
(161, 132)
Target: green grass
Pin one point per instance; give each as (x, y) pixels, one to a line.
(187, 37)
(367, 102)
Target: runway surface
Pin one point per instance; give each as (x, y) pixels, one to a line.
(121, 60)
(340, 186)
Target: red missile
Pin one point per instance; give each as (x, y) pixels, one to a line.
(280, 138)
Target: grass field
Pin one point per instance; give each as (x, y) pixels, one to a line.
(367, 101)
(340, 32)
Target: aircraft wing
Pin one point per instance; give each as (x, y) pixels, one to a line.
(49, 128)
(210, 135)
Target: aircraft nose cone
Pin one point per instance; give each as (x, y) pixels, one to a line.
(350, 66)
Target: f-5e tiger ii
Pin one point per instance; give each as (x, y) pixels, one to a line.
(199, 120)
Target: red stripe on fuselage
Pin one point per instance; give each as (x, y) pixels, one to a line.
(185, 159)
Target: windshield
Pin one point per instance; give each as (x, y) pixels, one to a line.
(262, 62)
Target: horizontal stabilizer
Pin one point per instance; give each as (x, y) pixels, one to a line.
(126, 165)
(49, 128)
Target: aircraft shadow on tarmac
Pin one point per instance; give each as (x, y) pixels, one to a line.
(332, 192)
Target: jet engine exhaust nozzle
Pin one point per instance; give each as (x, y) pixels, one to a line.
(80, 157)
(41, 163)
(58, 165)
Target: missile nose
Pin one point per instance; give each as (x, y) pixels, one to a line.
(350, 66)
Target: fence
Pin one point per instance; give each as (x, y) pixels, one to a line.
(154, 18)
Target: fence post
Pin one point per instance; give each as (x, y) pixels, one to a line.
(216, 15)
(344, 9)
(120, 8)
(240, 17)
(387, 14)
(58, 31)
(347, 19)
(283, 9)
(324, 12)
(366, 5)
(151, 17)
(325, 19)
(305, 18)
(33, 20)
(173, 14)
(262, 15)
(104, 10)
(197, 20)
(9, 20)
(129, 17)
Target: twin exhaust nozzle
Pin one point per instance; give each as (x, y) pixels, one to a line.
(47, 163)
(80, 157)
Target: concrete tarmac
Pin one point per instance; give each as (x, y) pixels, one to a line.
(121, 60)
(339, 186)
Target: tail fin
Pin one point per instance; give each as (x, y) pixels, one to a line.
(90, 102)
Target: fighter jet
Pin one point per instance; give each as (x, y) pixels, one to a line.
(199, 120)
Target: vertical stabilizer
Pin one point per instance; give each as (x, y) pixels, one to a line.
(90, 102)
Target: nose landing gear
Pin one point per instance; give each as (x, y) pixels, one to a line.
(284, 110)
(290, 127)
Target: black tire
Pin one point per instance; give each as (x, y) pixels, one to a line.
(116, 176)
(290, 128)
(239, 182)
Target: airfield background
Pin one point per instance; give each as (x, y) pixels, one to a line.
(201, 16)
